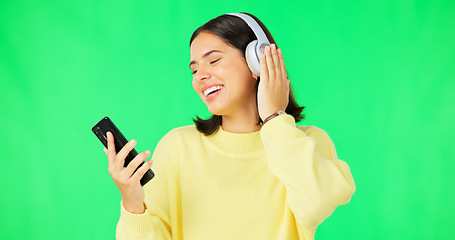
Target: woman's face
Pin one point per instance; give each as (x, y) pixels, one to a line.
(221, 76)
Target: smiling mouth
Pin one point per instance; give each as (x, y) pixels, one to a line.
(212, 90)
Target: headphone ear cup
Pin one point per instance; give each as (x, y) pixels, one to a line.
(252, 58)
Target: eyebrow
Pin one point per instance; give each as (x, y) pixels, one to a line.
(206, 55)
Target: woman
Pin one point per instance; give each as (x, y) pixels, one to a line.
(246, 173)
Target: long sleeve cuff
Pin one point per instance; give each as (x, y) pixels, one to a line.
(287, 119)
(137, 225)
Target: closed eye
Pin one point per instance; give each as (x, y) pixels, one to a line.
(212, 62)
(215, 61)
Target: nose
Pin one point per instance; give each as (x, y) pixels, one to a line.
(202, 73)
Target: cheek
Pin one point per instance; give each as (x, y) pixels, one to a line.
(241, 68)
(196, 86)
(244, 73)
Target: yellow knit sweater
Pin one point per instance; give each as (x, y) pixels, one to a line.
(278, 183)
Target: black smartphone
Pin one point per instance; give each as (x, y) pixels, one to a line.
(106, 125)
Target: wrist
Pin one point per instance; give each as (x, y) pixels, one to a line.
(134, 208)
(273, 115)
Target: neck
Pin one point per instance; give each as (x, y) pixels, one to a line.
(244, 118)
(242, 122)
(237, 125)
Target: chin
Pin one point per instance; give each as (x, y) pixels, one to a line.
(215, 111)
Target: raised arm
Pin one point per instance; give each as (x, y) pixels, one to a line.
(305, 160)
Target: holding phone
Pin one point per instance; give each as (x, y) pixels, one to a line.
(106, 125)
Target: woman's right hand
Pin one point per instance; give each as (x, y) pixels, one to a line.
(128, 181)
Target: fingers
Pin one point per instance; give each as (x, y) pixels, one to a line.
(141, 171)
(117, 160)
(272, 64)
(132, 166)
(276, 62)
(264, 72)
(110, 149)
(123, 153)
(105, 151)
(283, 67)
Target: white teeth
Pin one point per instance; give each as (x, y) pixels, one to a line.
(212, 89)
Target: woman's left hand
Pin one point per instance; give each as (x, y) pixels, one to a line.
(273, 89)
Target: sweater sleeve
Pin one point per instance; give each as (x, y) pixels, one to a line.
(155, 222)
(316, 181)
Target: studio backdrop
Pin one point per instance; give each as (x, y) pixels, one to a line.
(377, 76)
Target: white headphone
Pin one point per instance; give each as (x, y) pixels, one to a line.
(255, 49)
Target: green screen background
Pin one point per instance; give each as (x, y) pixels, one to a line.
(378, 76)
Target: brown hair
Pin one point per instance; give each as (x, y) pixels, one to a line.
(236, 32)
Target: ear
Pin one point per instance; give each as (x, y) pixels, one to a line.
(254, 76)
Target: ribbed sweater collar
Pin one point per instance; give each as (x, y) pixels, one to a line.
(237, 143)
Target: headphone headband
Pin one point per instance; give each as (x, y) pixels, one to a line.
(260, 35)
(255, 48)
